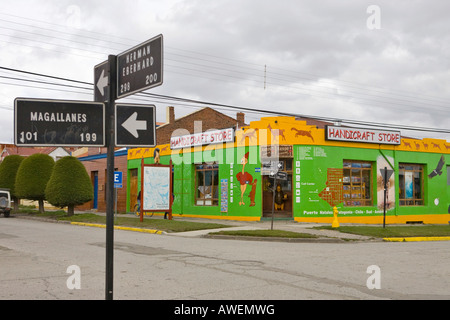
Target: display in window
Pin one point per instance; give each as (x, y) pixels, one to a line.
(207, 179)
(357, 186)
(410, 184)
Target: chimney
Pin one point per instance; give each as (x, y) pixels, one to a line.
(170, 115)
(240, 117)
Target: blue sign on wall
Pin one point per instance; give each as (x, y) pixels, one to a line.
(118, 175)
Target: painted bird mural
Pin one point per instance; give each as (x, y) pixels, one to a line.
(438, 170)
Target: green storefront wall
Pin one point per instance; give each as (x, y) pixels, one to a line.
(314, 161)
(229, 160)
(309, 179)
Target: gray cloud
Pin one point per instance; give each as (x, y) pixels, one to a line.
(321, 58)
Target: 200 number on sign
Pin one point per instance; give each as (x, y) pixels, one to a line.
(151, 78)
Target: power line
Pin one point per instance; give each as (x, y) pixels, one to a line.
(287, 75)
(278, 79)
(241, 108)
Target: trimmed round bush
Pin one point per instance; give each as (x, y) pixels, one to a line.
(32, 177)
(69, 184)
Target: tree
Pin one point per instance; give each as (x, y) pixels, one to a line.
(8, 172)
(69, 185)
(32, 177)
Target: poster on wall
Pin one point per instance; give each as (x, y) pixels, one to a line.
(156, 188)
(224, 195)
(408, 185)
(382, 163)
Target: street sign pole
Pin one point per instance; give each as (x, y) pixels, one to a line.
(135, 70)
(386, 175)
(385, 187)
(110, 135)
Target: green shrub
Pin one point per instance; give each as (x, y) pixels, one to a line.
(8, 172)
(69, 184)
(32, 177)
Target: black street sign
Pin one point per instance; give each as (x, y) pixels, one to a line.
(140, 68)
(58, 123)
(101, 82)
(386, 173)
(135, 125)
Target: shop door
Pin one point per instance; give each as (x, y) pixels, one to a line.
(283, 195)
(133, 174)
(94, 177)
(448, 188)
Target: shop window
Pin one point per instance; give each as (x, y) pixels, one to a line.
(207, 183)
(448, 175)
(357, 183)
(410, 178)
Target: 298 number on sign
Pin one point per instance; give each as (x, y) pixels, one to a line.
(125, 87)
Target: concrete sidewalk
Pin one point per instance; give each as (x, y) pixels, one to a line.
(286, 225)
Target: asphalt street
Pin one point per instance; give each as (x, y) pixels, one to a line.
(36, 259)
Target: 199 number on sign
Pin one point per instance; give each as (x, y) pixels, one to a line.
(88, 137)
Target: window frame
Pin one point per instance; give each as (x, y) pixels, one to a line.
(204, 201)
(403, 202)
(354, 185)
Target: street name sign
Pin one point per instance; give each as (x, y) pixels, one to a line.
(135, 125)
(58, 123)
(140, 67)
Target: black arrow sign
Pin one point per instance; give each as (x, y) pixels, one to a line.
(135, 125)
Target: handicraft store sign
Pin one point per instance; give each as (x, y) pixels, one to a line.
(203, 138)
(363, 135)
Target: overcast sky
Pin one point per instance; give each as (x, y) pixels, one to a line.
(378, 61)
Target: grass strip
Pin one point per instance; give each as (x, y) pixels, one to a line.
(264, 233)
(149, 223)
(394, 231)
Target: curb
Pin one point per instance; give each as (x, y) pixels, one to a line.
(416, 239)
(276, 239)
(153, 231)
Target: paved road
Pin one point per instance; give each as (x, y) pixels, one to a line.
(34, 257)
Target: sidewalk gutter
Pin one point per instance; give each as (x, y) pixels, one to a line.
(153, 231)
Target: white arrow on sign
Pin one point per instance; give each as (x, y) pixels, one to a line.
(102, 83)
(132, 124)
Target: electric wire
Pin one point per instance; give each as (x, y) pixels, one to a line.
(289, 78)
(166, 98)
